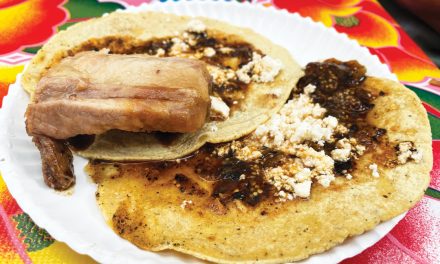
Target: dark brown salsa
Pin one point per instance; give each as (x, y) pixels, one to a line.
(340, 90)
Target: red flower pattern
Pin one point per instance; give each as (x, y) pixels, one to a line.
(368, 23)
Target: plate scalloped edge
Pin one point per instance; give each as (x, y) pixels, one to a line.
(350, 247)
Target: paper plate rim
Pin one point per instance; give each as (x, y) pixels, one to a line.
(61, 233)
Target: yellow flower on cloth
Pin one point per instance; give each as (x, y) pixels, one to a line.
(7, 76)
(25, 23)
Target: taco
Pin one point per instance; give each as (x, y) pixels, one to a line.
(252, 77)
(344, 154)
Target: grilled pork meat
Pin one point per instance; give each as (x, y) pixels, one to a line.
(93, 92)
(56, 159)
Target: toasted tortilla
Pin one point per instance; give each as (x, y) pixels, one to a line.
(257, 107)
(153, 216)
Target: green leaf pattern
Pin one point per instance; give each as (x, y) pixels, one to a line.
(34, 238)
(350, 21)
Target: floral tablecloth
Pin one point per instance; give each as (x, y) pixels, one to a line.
(26, 25)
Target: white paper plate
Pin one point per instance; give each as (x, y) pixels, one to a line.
(76, 219)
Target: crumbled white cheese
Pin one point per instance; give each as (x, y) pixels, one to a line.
(374, 170)
(185, 203)
(320, 164)
(299, 120)
(325, 179)
(104, 51)
(245, 153)
(310, 165)
(218, 108)
(344, 143)
(276, 92)
(360, 149)
(222, 151)
(282, 194)
(160, 52)
(209, 52)
(281, 182)
(406, 151)
(341, 154)
(189, 38)
(243, 75)
(226, 50)
(242, 177)
(417, 156)
(178, 47)
(260, 69)
(348, 176)
(221, 75)
(302, 189)
(343, 150)
(288, 187)
(341, 129)
(405, 146)
(304, 174)
(267, 69)
(309, 89)
(196, 26)
(298, 123)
